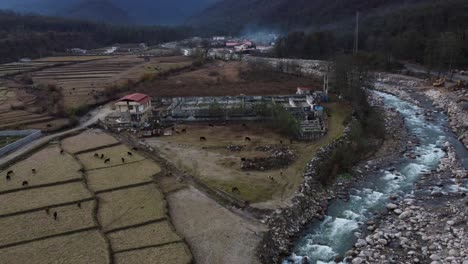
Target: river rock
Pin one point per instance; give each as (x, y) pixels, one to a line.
(392, 206)
(434, 257)
(357, 260)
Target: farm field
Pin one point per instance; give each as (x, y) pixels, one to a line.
(124, 175)
(29, 226)
(212, 163)
(224, 79)
(84, 83)
(90, 139)
(19, 110)
(50, 166)
(177, 253)
(42, 197)
(131, 206)
(80, 248)
(115, 154)
(143, 236)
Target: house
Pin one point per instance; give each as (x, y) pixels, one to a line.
(134, 108)
(78, 51)
(303, 90)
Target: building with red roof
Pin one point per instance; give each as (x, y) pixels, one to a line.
(134, 108)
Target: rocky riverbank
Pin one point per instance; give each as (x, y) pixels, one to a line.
(311, 200)
(427, 226)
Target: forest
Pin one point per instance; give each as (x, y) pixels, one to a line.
(35, 36)
(435, 35)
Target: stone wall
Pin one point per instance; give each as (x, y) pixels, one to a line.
(309, 203)
(291, 66)
(29, 136)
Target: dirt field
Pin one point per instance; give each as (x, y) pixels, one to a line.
(133, 173)
(91, 138)
(39, 224)
(41, 197)
(176, 253)
(71, 58)
(148, 235)
(218, 167)
(81, 248)
(226, 78)
(131, 206)
(115, 154)
(215, 234)
(50, 166)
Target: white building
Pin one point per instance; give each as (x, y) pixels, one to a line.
(303, 90)
(134, 108)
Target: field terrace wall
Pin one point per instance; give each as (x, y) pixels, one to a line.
(309, 68)
(308, 203)
(29, 136)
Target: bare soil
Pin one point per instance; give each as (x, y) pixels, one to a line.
(214, 234)
(176, 253)
(89, 139)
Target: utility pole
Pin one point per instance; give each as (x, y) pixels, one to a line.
(356, 34)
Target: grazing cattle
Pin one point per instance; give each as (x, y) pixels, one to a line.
(8, 177)
(33, 170)
(177, 132)
(244, 125)
(291, 141)
(102, 156)
(123, 160)
(202, 138)
(129, 153)
(211, 125)
(281, 173)
(172, 128)
(281, 141)
(107, 160)
(55, 215)
(47, 211)
(184, 130)
(135, 148)
(62, 151)
(248, 139)
(25, 183)
(79, 205)
(81, 170)
(96, 155)
(243, 159)
(235, 189)
(271, 178)
(9, 172)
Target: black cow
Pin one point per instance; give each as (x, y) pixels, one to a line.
(96, 155)
(8, 177)
(129, 153)
(62, 151)
(25, 183)
(123, 160)
(9, 172)
(248, 139)
(243, 159)
(55, 215)
(33, 170)
(202, 138)
(102, 156)
(107, 160)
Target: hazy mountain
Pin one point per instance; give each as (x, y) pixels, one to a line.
(148, 12)
(235, 15)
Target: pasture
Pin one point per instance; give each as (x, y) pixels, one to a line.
(147, 235)
(124, 175)
(214, 164)
(50, 167)
(114, 154)
(89, 139)
(79, 248)
(131, 206)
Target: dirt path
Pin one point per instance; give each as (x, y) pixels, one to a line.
(215, 234)
(93, 117)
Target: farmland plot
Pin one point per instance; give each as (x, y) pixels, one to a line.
(115, 154)
(133, 173)
(25, 227)
(80, 248)
(143, 236)
(42, 197)
(131, 206)
(50, 167)
(176, 253)
(92, 138)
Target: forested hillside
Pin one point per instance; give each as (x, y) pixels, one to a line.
(433, 33)
(34, 36)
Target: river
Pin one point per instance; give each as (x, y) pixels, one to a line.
(323, 241)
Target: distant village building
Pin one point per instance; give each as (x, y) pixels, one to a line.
(303, 90)
(134, 109)
(25, 60)
(78, 51)
(131, 48)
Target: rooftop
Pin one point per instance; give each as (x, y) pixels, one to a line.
(136, 97)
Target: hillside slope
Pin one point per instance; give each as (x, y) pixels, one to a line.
(100, 11)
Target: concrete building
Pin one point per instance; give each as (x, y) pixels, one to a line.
(134, 109)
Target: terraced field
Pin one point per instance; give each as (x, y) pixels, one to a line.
(68, 213)
(84, 83)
